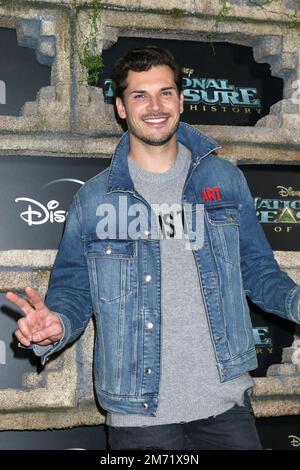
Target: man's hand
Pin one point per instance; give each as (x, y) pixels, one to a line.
(39, 324)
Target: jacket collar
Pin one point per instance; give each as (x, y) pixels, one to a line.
(119, 178)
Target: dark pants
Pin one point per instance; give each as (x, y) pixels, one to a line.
(235, 429)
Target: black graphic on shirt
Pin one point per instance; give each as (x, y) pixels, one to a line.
(171, 224)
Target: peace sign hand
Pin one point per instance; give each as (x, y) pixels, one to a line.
(39, 324)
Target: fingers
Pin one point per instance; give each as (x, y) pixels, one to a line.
(33, 303)
(46, 342)
(23, 340)
(25, 329)
(26, 334)
(19, 302)
(52, 333)
(35, 299)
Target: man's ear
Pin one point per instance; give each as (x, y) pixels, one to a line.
(120, 108)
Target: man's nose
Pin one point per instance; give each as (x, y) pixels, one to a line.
(154, 103)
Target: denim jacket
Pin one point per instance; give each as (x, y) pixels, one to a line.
(118, 278)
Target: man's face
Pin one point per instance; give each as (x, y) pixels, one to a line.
(151, 105)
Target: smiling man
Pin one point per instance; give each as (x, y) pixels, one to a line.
(174, 341)
(151, 106)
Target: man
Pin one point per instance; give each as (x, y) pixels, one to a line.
(167, 288)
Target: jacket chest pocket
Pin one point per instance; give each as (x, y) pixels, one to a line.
(223, 222)
(111, 267)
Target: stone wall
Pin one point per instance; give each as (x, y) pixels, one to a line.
(69, 118)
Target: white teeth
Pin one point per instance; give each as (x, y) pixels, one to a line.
(155, 120)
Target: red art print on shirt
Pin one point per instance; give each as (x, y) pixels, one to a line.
(211, 194)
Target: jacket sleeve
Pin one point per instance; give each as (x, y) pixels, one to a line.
(264, 282)
(69, 291)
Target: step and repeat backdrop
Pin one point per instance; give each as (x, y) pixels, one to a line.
(276, 193)
(21, 76)
(222, 85)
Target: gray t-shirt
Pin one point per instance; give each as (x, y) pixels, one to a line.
(190, 386)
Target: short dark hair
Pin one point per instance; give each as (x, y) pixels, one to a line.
(142, 59)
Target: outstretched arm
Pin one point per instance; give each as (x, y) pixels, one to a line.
(264, 282)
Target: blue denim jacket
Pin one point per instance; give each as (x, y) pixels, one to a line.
(118, 279)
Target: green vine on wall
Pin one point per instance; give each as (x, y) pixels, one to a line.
(91, 59)
(221, 15)
(89, 56)
(226, 8)
(176, 13)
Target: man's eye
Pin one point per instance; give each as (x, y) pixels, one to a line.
(166, 93)
(139, 96)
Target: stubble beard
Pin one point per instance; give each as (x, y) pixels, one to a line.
(150, 140)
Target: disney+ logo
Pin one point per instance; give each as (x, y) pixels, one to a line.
(37, 213)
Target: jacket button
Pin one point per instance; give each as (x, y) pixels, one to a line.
(148, 278)
(149, 325)
(148, 371)
(217, 338)
(147, 233)
(108, 249)
(207, 291)
(145, 406)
